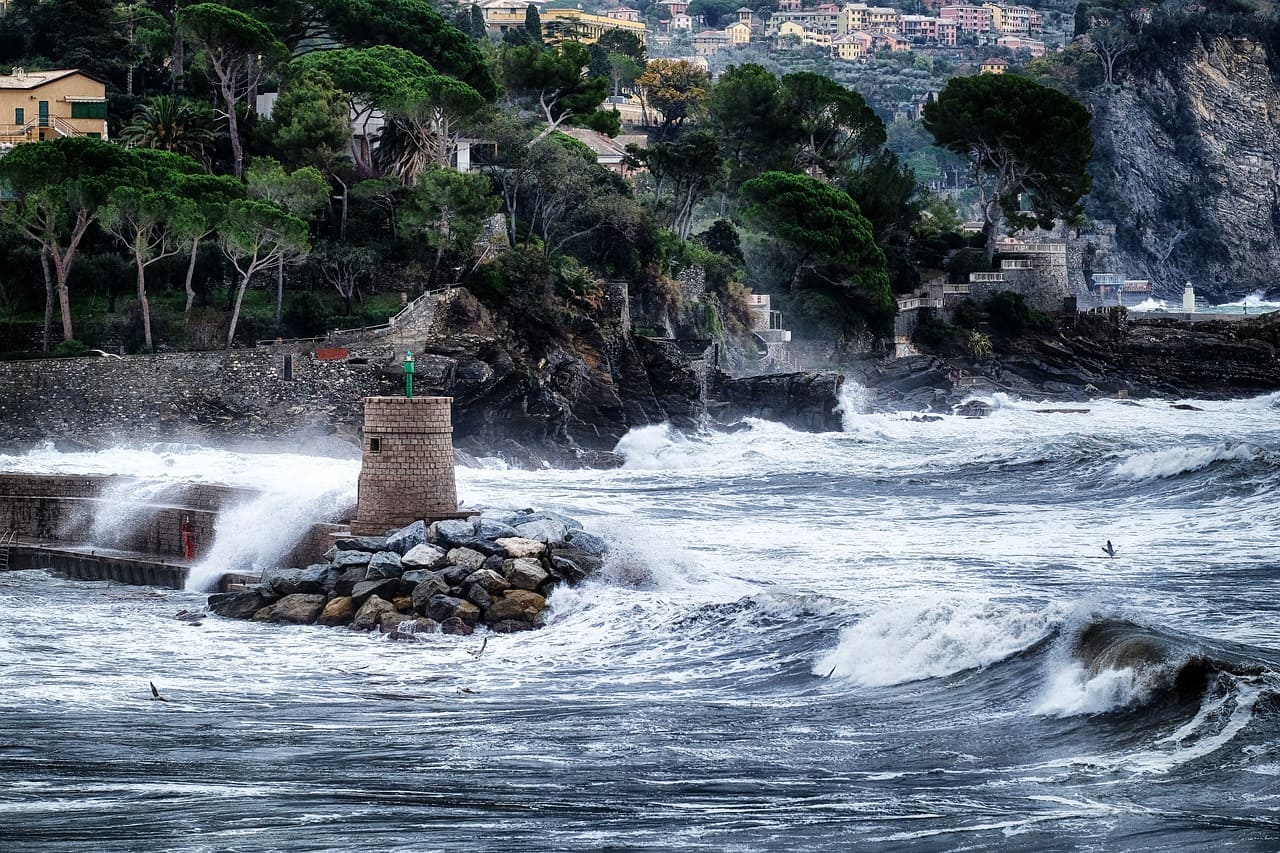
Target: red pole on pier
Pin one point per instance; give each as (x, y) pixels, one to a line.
(188, 539)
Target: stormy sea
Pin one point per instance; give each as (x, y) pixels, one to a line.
(906, 635)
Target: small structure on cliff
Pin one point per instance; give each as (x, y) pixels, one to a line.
(406, 474)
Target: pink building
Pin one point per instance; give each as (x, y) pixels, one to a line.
(971, 19)
(922, 28)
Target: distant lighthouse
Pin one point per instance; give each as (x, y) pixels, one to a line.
(1188, 299)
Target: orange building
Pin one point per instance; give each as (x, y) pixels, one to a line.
(37, 105)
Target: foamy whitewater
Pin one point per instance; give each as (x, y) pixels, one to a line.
(901, 636)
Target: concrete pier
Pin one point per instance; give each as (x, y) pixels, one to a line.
(84, 562)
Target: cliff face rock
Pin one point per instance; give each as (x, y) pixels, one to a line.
(1187, 159)
(803, 401)
(566, 399)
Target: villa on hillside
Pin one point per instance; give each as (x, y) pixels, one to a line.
(37, 105)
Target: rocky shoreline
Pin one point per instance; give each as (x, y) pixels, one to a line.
(1102, 355)
(451, 577)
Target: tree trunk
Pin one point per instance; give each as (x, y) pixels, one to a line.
(191, 274)
(233, 129)
(235, 310)
(142, 301)
(61, 268)
(342, 222)
(48, 299)
(176, 58)
(279, 293)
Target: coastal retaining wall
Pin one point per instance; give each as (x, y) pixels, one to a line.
(242, 393)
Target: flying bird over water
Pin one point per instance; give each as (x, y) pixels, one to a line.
(1110, 551)
(155, 694)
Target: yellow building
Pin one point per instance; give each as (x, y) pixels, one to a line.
(500, 16)
(583, 26)
(38, 105)
(993, 66)
(739, 33)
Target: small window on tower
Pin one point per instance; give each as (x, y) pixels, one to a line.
(375, 445)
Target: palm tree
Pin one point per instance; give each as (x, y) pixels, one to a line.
(173, 124)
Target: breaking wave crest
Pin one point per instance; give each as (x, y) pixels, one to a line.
(916, 642)
(1161, 464)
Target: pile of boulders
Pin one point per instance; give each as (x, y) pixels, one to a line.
(452, 576)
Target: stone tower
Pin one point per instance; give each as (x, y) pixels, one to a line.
(407, 470)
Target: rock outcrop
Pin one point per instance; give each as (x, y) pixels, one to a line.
(1103, 355)
(565, 400)
(1187, 164)
(803, 401)
(485, 578)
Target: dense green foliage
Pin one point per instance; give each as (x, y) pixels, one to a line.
(221, 224)
(1028, 146)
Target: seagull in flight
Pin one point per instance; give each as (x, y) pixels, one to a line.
(1109, 549)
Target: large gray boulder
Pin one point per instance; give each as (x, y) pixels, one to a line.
(588, 542)
(445, 607)
(466, 557)
(317, 577)
(489, 528)
(450, 531)
(516, 604)
(525, 574)
(424, 556)
(239, 605)
(372, 544)
(407, 538)
(487, 579)
(426, 589)
(543, 530)
(298, 609)
(519, 518)
(370, 613)
(347, 559)
(282, 581)
(385, 587)
(384, 564)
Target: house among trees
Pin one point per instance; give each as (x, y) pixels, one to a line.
(1034, 46)
(37, 105)
(711, 42)
(993, 66)
(738, 33)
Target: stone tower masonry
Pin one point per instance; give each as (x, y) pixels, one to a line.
(407, 470)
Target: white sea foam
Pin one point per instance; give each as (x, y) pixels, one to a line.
(1160, 464)
(1152, 304)
(1073, 690)
(918, 641)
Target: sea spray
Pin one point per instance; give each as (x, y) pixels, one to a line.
(124, 506)
(854, 399)
(256, 533)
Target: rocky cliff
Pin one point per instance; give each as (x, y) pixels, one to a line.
(1187, 164)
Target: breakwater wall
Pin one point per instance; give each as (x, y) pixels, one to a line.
(265, 392)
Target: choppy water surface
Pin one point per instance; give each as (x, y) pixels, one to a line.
(902, 636)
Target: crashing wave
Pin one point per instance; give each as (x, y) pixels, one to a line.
(1161, 464)
(916, 642)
